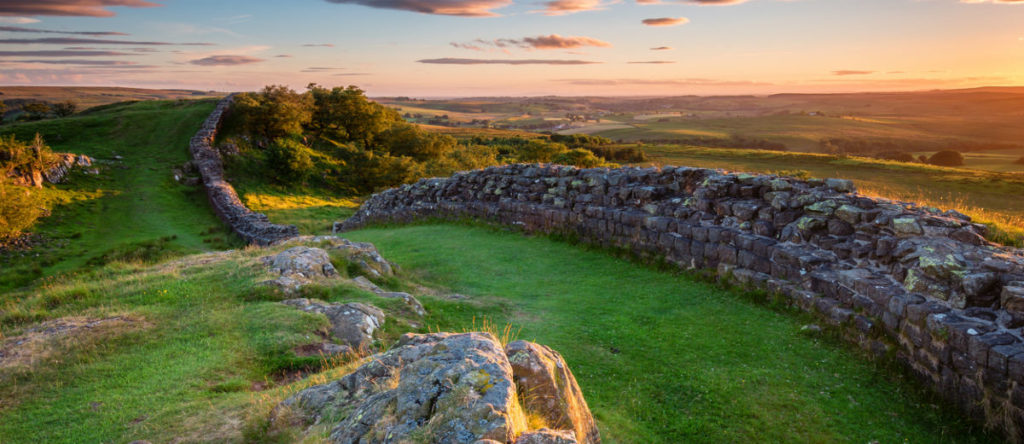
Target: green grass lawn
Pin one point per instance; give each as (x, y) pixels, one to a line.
(662, 358)
(134, 204)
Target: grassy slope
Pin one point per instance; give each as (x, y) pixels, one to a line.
(134, 200)
(660, 357)
(694, 364)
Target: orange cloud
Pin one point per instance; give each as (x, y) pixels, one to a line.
(666, 21)
(562, 7)
(47, 31)
(700, 2)
(87, 8)
(462, 8)
(553, 41)
(851, 72)
(458, 61)
(78, 41)
(225, 60)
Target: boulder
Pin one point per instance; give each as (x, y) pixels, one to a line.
(440, 387)
(454, 388)
(363, 255)
(299, 266)
(353, 324)
(550, 389)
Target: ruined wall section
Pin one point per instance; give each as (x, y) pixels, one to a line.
(254, 227)
(898, 279)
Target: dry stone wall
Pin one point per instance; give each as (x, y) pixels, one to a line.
(254, 227)
(900, 280)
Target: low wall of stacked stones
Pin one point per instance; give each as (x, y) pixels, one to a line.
(254, 227)
(913, 283)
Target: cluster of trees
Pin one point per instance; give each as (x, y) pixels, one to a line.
(42, 110)
(20, 206)
(339, 139)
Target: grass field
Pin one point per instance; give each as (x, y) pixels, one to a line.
(90, 96)
(134, 204)
(661, 358)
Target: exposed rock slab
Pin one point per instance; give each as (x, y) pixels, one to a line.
(353, 323)
(452, 388)
(299, 266)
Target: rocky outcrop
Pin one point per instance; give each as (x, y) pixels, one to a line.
(299, 266)
(352, 324)
(254, 227)
(441, 387)
(361, 254)
(63, 165)
(899, 279)
(59, 166)
(550, 389)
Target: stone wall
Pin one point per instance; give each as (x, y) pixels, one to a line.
(254, 227)
(918, 284)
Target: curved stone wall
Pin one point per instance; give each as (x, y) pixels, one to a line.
(898, 279)
(254, 227)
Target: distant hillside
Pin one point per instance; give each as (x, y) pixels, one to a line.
(90, 96)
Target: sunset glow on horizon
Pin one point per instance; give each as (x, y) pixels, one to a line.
(461, 48)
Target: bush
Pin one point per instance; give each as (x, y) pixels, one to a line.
(64, 109)
(19, 208)
(289, 161)
(538, 151)
(894, 155)
(579, 157)
(1020, 161)
(947, 158)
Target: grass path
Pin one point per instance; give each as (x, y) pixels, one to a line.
(663, 359)
(134, 203)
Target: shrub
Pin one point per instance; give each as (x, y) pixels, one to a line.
(538, 151)
(1020, 161)
(289, 161)
(947, 158)
(894, 155)
(64, 109)
(19, 208)
(579, 157)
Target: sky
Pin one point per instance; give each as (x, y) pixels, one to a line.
(467, 48)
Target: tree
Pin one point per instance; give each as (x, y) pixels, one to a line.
(539, 151)
(36, 111)
(580, 157)
(19, 208)
(346, 115)
(947, 158)
(274, 112)
(408, 140)
(289, 161)
(65, 108)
